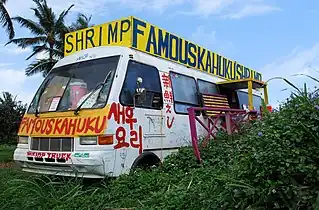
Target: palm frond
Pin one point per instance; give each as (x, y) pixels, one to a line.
(36, 50)
(39, 3)
(49, 19)
(37, 13)
(26, 42)
(39, 10)
(60, 22)
(287, 81)
(40, 65)
(44, 15)
(34, 27)
(81, 22)
(6, 21)
(57, 54)
(311, 77)
(59, 46)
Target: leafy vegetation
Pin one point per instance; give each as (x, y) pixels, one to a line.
(11, 112)
(269, 164)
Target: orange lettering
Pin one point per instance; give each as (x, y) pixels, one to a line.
(49, 126)
(23, 124)
(38, 125)
(102, 126)
(88, 124)
(56, 126)
(44, 126)
(64, 126)
(80, 129)
(72, 125)
(31, 124)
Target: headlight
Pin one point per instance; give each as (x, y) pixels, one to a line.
(23, 139)
(88, 140)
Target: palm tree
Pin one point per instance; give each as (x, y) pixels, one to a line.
(48, 33)
(5, 19)
(81, 22)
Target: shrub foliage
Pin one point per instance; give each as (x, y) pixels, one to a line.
(11, 112)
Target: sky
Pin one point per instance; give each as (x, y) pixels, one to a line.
(276, 38)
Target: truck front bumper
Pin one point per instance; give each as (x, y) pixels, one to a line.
(87, 164)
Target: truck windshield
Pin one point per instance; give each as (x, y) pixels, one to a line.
(243, 100)
(67, 86)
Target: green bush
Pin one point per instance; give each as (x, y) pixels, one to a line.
(11, 113)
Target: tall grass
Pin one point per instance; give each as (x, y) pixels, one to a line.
(43, 191)
(6, 153)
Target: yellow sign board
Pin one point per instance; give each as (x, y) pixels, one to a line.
(90, 122)
(140, 35)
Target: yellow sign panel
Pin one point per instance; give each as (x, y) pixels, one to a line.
(140, 35)
(90, 122)
(116, 33)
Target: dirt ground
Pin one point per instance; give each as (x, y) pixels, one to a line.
(7, 165)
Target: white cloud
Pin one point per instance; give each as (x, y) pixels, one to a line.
(210, 7)
(10, 77)
(296, 62)
(58, 5)
(208, 38)
(13, 50)
(17, 83)
(232, 9)
(96, 7)
(153, 5)
(201, 34)
(251, 10)
(17, 50)
(42, 55)
(5, 64)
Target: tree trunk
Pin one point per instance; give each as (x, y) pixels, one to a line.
(51, 53)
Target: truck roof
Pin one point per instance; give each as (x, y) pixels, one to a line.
(137, 34)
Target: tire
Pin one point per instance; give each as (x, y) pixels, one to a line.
(146, 161)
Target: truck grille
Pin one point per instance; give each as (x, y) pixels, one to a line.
(64, 144)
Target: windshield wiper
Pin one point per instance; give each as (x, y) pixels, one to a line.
(100, 85)
(36, 113)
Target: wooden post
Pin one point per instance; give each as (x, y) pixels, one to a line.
(266, 95)
(250, 95)
(192, 124)
(228, 123)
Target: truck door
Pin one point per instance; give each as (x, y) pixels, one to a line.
(142, 92)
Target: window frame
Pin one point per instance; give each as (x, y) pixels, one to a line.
(197, 94)
(254, 95)
(76, 63)
(159, 80)
(201, 80)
